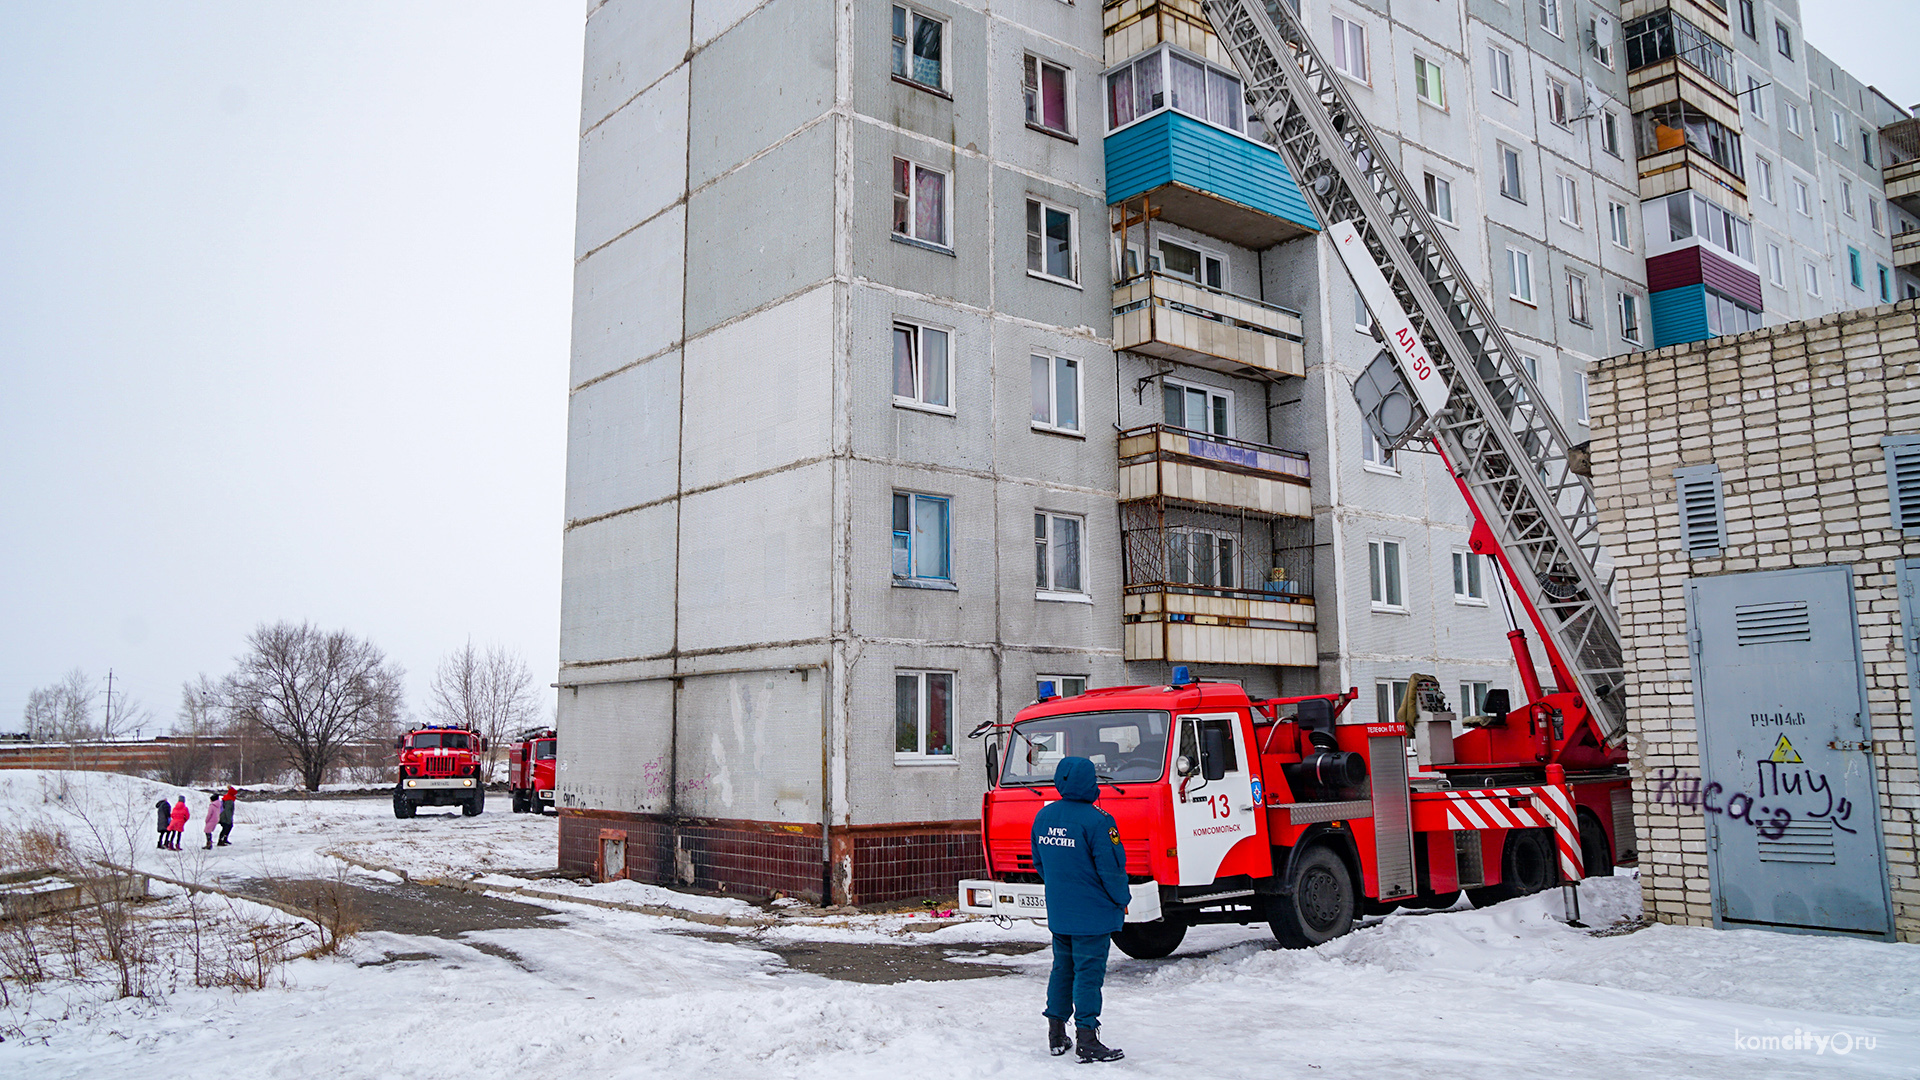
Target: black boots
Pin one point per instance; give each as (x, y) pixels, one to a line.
(1088, 1041)
(1057, 1043)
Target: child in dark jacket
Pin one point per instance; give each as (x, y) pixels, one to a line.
(164, 821)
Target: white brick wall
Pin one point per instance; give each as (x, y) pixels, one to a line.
(1793, 416)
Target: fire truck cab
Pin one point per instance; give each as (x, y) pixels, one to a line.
(1235, 810)
(530, 770)
(439, 766)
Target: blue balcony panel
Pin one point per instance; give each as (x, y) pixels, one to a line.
(1679, 315)
(1207, 179)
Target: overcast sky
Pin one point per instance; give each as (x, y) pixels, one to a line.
(284, 307)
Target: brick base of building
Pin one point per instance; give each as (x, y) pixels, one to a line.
(870, 864)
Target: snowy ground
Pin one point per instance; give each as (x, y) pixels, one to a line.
(1506, 992)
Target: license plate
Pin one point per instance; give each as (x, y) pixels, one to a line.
(1029, 900)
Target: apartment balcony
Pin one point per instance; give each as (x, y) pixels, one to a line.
(1182, 625)
(1900, 142)
(1174, 319)
(1906, 251)
(1208, 179)
(1191, 469)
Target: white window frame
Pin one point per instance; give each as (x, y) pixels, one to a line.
(1215, 537)
(1610, 132)
(1055, 366)
(1839, 129)
(1033, 98)
(923, 684)
(1387, 574)
(1782, 39)
(946, 45)
(1433, 187)
(1632, 325)
(1345, 30)
(1473, 696)
(1375, 458)
(1520, 275)
(1063, 685)
(1776, 265)
(1802, 196)
(1073, 239)
(912, 195)
(1514, 178)
(1619, 225)
(1187, 386)
(1387, 695)
(915, 501)
(1755, 104)
(1578, 310)
(1792, 114)
(918, 332)
(1600, 29)
(1205, 254)
(1763, 179)
(1045, 538)
(1158, 60)
(1429, 76)
(1557, 111)
(1581, 386)
(1812, 275)
(1550, 17)
(1846, 199)
(1500, 73)
(1569, 201)
(1469, 578)
(1874, 221)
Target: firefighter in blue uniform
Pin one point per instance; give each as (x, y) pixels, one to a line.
(1077, 853)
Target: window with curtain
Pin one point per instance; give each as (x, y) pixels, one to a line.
(919, 202)
(1056, 553)
(921, 548)
(923, 715)
(1047, 88)
(921, 362)
(918, 46)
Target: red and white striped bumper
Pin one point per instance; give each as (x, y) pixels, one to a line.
(1544, 806)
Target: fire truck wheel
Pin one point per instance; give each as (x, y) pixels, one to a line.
(1596, 857)
(1150, 940)
(402, 807)
(1528, 865)
(1320, 908)
(473, 806)
(519, 802)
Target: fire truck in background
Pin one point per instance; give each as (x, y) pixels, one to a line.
(1236, 810)
(440, 766)
(530, 770)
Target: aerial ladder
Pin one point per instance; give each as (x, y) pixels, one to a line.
(1449, 375)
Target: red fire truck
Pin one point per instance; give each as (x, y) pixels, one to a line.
(530, 770)
(440, 766)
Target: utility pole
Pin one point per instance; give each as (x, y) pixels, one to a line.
(106, 726)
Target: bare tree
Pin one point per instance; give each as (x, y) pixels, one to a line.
(313, 692)
(197, 722)
(62, 712)
(491, 693)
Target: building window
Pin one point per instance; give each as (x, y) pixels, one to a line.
(1045, 686)
(1427, 83)
(1349, 48)
(1839, 132)
(1854, 276)
(1199, 90)
(1866, 149)
(1791, 113)
(1677, 124)
(1755, 103)
(1747, 25)
(1468, 588)
(1666, 34)
(1630, 318)
(1362, 318)
(923, 715)
(1783, 40)
(1500, 71)
(1569, 201)
(1886, 284)
(1048, 90)
(922, 366)
(1197, 408)
(1510, 173)
(1384, 572)
(1691, 214)
(1387, 696)
(1195, 265)
(1776, 269)
(1556, 101)
(1617, 225)
(1610, 132)
(1202, 557)
(1600, 40)
(1053, 244)
(1846, 199)
(1550, 16)
(1577, 297)
(1802, 198)
(1376, 458)
(1725, 315)
(1580, 386)
(1873, 215)
(1056, 393)
(1812, 274)
(1763, 177)
(1473, 698)
(919, 202)
(920, 538)
(919, 42)
(1439, 198)
(1056, 554)
(1520, 275)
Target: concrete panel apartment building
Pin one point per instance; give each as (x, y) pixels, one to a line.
(873, 299)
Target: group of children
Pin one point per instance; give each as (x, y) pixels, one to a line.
(172, 819)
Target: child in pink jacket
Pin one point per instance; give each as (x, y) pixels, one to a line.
(178, 821)
(213, 819)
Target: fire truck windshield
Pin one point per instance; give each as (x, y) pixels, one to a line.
(440, 740)
(1122, 746)
(543, 750)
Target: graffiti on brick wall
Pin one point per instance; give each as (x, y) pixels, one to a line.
(1810, 793)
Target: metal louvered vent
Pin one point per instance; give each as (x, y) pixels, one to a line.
(1800, 842)
(1772, 624)
(1903, 479)
(1703, 519)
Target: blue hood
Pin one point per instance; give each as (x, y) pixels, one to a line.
(1075, 780)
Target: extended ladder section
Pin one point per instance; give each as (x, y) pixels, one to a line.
(1492, 426)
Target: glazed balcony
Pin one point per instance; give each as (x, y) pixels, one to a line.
(1179, 624)
(1188, 468)
(1174, 319)
(1906, 251)
(1900, 142)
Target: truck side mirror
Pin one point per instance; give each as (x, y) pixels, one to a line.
(399, 742)
(993, 763)
(1214, 751)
